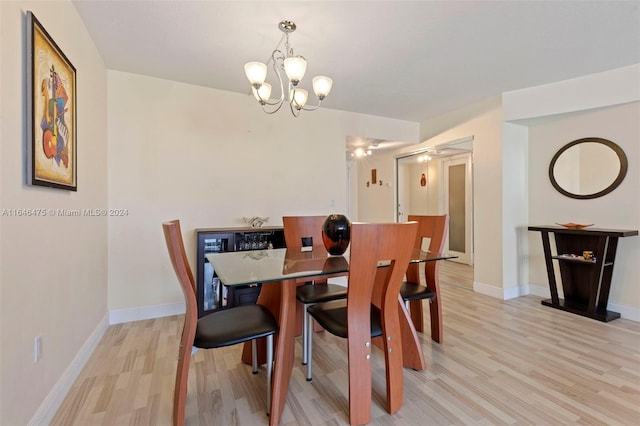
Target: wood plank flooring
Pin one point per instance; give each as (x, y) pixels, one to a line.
(510, 362)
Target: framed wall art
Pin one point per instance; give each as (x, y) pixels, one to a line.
(51, 112)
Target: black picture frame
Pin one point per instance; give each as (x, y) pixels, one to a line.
(51, 111)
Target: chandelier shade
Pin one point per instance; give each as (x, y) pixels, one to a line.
(322, 86)
(295, 67)
(263, 93)
(289, 70)
(256, 73)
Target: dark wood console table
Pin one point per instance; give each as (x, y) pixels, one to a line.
(585, 283)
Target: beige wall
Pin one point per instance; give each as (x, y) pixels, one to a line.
(210, 157)
(375, 202)
(601, 105)
(53, 270)
(619, 209)
(425, 200)
(483, 122)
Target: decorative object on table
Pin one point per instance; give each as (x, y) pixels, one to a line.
(51, 111)
(336, 233)
(255, 222)
(572, 225)
(294, 67)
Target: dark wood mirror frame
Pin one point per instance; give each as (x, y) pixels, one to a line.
(618, 180)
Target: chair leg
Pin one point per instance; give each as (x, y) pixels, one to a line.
(269, 370)
(254, 355)
(305, 335)
(435, 311)
(309, 332)
(180, 390)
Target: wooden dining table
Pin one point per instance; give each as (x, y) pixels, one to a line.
(280, 271)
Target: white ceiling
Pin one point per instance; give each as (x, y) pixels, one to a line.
(410, 60)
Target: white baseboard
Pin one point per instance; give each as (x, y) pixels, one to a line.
(540, 291)
(146, 312)
(49, 407)
(499, 292)
(627, 312)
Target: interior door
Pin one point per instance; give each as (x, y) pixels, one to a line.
(458, 199)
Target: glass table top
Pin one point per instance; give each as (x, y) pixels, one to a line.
(261, 266)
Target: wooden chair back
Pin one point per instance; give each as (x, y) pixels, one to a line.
(434, 227)
(298, 227)
(175, 245)
(371, 243)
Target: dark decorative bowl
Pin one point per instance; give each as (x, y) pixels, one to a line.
(336, 233)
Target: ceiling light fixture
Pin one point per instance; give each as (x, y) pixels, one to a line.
(359, 153)
(294, 66)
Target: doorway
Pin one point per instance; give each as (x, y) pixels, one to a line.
(439, 180)
(458, 204)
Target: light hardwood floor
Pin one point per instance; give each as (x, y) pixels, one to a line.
(502, 362)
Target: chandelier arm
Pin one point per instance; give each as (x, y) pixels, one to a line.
(313, 107)
(275, 110)
(294, 111)
(277, 71)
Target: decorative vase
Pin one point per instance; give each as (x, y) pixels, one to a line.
(336, 233)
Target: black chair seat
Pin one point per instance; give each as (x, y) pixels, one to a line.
(332, 316)
(232, 326)
(411, 291)
(318, 293)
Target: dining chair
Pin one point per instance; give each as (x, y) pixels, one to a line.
(218, 329)
(412, 291)
(302, 231)
(370, 310)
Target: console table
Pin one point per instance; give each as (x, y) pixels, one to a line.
(585, 283)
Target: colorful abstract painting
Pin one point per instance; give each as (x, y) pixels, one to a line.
(51, 82)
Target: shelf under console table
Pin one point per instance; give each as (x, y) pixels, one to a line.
(585, 283)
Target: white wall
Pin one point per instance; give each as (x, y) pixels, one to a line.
(425, 200)
(208, 158)
(506, 158)
(599, 105)
(482, 121)
(53, 270)
(375, 202)
(619, 209)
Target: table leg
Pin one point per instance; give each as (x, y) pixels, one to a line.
(284, 349)
(280, 299)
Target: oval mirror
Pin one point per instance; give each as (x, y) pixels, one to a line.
(588, 168)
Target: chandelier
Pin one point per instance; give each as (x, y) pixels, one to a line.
(294, 67)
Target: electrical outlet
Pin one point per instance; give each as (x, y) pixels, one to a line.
(37, 349)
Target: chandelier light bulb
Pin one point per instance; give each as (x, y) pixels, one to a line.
(300, 97)
(263, 93)
(322, 86)
(256, 73)
(295, 67)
